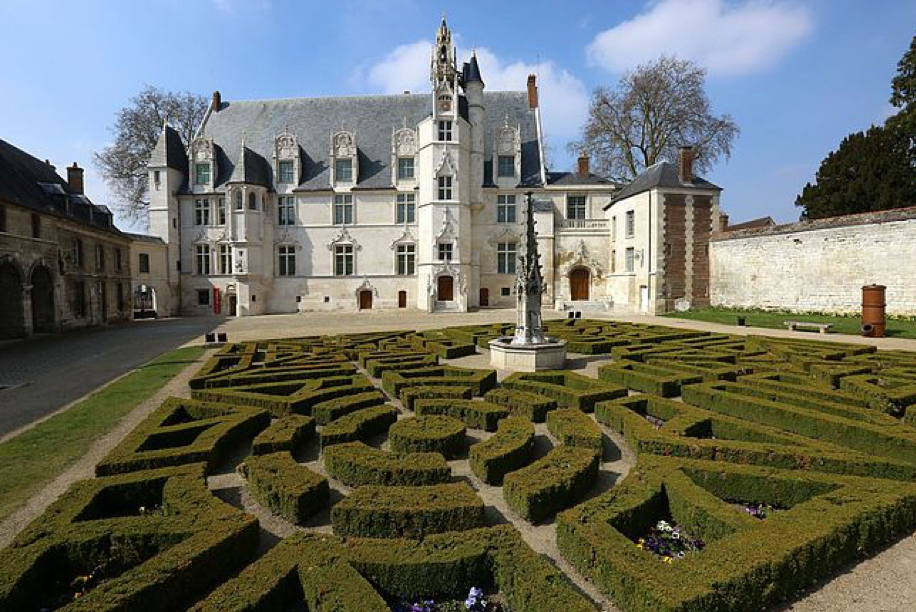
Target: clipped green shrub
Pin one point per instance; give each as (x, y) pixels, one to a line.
(429, 434)
(356, 464)
(183, 431)
(569, 389)
(332, 409)
(407, 512)
(359, 425)
(647, 378)
(508, 450)
(573, 427)
(474, 414)
(479, 380)
(288, 489)
(531, 406)
(410, 395)
(284, 434)
(550, 484)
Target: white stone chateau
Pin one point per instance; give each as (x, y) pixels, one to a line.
(412, 201)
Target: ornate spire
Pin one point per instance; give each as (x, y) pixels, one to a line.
(529, 285)
(443, 65)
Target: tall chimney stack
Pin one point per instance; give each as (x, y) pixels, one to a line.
(583, 169)
(685, 164)
(75, 179)
(217, 101)
(532, 91)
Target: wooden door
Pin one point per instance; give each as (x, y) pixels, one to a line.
(365, 299)
(402, 299)
(484, 296)
(578, 285)
(445, 289)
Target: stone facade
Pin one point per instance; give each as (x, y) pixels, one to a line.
(63, 264)
(299, 205)
(818, 266)
(149, 261)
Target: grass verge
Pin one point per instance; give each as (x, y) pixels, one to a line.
(32, 459)
(896, 328)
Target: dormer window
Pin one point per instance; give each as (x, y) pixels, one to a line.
(445, 130)
(405, 168)
(287, 172)
(506, 166)
(202, 174)
(343, 170)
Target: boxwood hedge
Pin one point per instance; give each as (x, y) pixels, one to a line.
(355, 464)
(552, 483)
(573, 427)
(429, 434)
(474, 414)
(569, 389)
(288, 489)
(531, 406)
(510, 449)
(284, 434)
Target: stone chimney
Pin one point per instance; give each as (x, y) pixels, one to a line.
(685, 164)
(217, 101)
(582, 165)
(723, 221)
(532, 91)
(75, 179)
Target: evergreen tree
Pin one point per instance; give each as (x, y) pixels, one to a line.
(874, 170)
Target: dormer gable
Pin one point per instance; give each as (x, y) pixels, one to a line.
(287, 159)
(344, 159)
(203, 164)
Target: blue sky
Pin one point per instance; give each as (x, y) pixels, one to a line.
(797, 75)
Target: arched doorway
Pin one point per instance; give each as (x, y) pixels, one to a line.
(42, 300)
(579, 280)
(144, 302)
(11, 324)
(445, 288)
(365, 299)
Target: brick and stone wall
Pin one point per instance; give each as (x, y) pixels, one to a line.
(818, 265)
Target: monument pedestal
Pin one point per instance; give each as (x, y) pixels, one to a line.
(550, 355)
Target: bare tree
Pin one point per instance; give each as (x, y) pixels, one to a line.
(654, 109)
(136, 130)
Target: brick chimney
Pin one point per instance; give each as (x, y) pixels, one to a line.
(685, 164)
(582, 165)
(75, 179)
(532, 91)
(217, 101)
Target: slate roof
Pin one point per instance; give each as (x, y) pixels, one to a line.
(574, 178)
(30, 182)
(662, 174)
(169, 151)
(759, 222)
(144, 238)
(372, 120)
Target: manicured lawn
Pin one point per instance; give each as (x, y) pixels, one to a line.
(896, 328)
(32, 459)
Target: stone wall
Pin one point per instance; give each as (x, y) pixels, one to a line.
(818, 265)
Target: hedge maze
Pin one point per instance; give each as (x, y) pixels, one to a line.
(401, 471)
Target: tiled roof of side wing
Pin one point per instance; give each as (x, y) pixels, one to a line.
(372, 119)
(661, 174)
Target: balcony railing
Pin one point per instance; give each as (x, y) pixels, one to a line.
(584, 224)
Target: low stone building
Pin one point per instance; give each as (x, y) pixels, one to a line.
(63, 263)
(149, 260)
(819, 265)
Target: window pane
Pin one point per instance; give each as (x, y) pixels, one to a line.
(286, 172)
(506, 166)
(343, 170)
(405, 167)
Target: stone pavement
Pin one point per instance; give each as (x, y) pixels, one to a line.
(317, 323)
(46, 373)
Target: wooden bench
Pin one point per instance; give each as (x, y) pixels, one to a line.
(795, 325)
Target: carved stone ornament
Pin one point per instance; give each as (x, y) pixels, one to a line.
(446, 165)
(405, 142)
(447, 231)
(287, 146)
(581, 258)
(343, 145)
(285, 236)
(506, 235)
(202, 149)
(366, 286)
(344, 237)
(406, 237)
(507, 139)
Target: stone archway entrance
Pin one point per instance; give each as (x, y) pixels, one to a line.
(11, 323)
(43, 319)
(445, 288)
(579, 281)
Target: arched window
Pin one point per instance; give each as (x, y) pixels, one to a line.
(237, 204)
(252, 201)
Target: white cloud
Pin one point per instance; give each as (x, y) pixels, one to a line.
(564, 99)
(726, 38)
